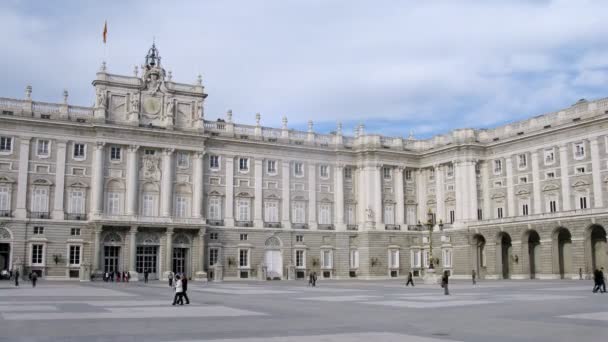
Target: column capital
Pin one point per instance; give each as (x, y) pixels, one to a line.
(593, 140)
(100, 144)
(169, 230)
(400, 168)
(563, 146)
(62, 142)
(199, 154)
(168, 151)
(25, 139)
(133, 148)
(97, 228)
(133, 230)
(201, 232)
(339, 165)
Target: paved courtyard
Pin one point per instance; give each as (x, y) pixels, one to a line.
(290, 311)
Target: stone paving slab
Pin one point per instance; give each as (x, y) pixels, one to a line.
(362, 337)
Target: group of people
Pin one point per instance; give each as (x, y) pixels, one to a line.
(116, 276)
(180, 284)
(599, 280)
(32, 276)
(445, 279)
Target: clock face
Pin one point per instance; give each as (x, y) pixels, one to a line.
(152, 105)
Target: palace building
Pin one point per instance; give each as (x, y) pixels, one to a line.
(144, 181)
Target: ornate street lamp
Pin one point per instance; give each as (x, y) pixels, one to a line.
(431, 224)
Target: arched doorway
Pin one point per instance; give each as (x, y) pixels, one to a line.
(181, 253)
(504, 255)
(533, 252)
(562, 243)
(273, 258)
(111, 252)
(146, 254)
(597, 241)
(479, 255)
(5, 249)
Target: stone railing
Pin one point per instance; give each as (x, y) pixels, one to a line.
(123, 79)
(271, 132)
(536, 217)
(244, 129)
(46, 108)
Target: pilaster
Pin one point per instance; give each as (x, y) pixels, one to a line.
(485, 186)
(399, 196)
(97, 179)
(421, 180)
(376, 190)
(285, 196)
(58, 208)
(132, 179)
(132, 249)
(511, 210)
(24, 160)
(229, 201)
(537, 205)
(197, 182)
(258, 218)
(565, 182)
(598, 200)
(96, 247)
(168, 251)
(312, 196)
(166, 191)
(339, 197)
(440, 192)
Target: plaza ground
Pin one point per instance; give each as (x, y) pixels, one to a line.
(291, 311)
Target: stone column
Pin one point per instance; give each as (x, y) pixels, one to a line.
(58, 208)
(258, 218)
(511, 210)
(285, 197)
(198, 184)
(399, 196)
(312, 196)
(472, 190)
(132, 252)
(440, 193)
(376, 190)
(229, 212)
(200, 274)
(537, 207)
(361, 179)
(563, 165)
(166, 187)
(168, 252)
(598, 201)
(485, 181)
(24, 161)
(97, 179)
(421, 194)
(459, 190)
(339, 197)
(96, 247)
(132, 180)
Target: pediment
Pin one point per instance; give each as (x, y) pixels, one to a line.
(450, 199)
(550, 187)
(579, 183)
(6, 179)
(215, 193)
(272, 196)
(42, 181)
(244, 194)
(431, 201)
(498, 195)
(326, 200)
(299, 198)
(522, 192)
(412, 202)
(78, 185)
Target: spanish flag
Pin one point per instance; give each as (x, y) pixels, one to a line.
(105, 31)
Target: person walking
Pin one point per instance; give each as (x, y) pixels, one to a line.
(580, 273)
(178, 298)
(596, 280)
(310, 276)
(146, 276)
(410, 279)
(314, 279)
(185, 289)
(17, 277)
(170, 278)
(444, 283)
(34, 277)
(473, 275)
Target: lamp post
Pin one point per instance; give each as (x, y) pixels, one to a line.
(430, 277)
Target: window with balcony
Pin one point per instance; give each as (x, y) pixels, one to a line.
(497, 166)
(447, 258)
(389, 213)
(325, 213)
(499, 212)
(415, 259)
(410, 214)
(244, 209)
(299, 212)
(43, 148)
(271, 211)
(581, 201)
(350, 214)
(452, 216)
(148, 204)
(244, 258)
(348, 173)
(40, 200)
(5, 200)
(215, 208)
(37, 255)
(214, 254)
(181, 206)
(76, 202)
(79, 151)
(524, 209)
(552, 205)
(113, 203)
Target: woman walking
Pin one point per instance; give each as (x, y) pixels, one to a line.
(179, 292)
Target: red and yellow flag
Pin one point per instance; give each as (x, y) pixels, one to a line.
(105, 31)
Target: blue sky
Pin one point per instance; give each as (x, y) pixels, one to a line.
(396, 66)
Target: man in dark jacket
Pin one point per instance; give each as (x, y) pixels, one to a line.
(596, 280)
(185, 288)
(444, 283)
(17, 277)
(146, 275)
(34, 278)
(410, 279)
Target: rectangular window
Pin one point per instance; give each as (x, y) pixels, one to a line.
(215, 208)
(183, 159)
(244, 164)
(350, 214)
(549, 157)
(450, 172)
(299, 212)
(148, 204)
(408, 175)
(325, 213)
(40, 200)
(75, 231)
(550, 175)
(300, 259)
(113, 203)
(348, 173)
(149, 152)
(479, 214)
(43, 148)
(415, 259)
(76, 204)
(271, 167)
(38, 230)
(410, 215)
(299, 238)
(524, 209)
(243, 209)
(6, 144)
(523, 162)
(354, 259)
(523, 180)
(37, 254)
(582, 202)
(497, 166)
(5, 198)
(243, 237)
(326, 257)
(447, 258)
(389, 214)
(214, 162)
(580, 170)
(271, 211)
(553, 206)
(74, 255)
(386, 172)
(214, 254)
(498, 184)
(79, 151)
(243, 258)
(431, 174)
(499, 212)
(181, 206)
(115, 153)
(394, 258)
(213, 236)
(579, 151)
(298, 169)
(324, 171)
(452, 216)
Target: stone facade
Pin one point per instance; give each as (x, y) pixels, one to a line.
(142, 181)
